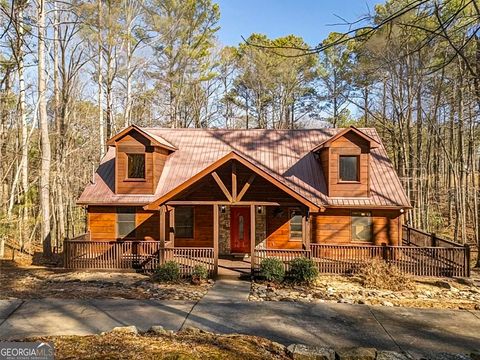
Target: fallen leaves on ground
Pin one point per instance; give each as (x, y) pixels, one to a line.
(41, 282)
(177, 346)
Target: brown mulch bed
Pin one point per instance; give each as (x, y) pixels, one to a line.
(174, 346)
(41, 282)
(424, 293)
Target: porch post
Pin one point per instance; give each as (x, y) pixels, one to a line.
(215, 238)
(234, 181)
(252, 236)
(162, 225)
(171, 225)
(306, 226)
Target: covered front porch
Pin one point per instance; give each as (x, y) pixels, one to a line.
(234, 209)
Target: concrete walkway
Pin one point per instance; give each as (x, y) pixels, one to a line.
(225, 310)
(228, 290)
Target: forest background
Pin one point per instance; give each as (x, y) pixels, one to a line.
(74, 72)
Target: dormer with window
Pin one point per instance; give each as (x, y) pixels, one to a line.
(139, 160)
(345, 160)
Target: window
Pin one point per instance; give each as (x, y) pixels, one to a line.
(136, 166)
(295, 225)
(125, 222)
(184, 222)
(362, 226)
(349, 168)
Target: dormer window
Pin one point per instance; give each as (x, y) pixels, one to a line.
(349, 169)
(136, 166)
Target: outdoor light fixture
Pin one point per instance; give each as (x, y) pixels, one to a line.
(259, 209)
(222, 209)
(402, 211)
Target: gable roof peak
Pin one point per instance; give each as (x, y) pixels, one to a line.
(326, 143)
(155, 139)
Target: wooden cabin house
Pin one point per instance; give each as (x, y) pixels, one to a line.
(234, 191)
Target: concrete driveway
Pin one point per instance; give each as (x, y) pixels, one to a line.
(415, 331)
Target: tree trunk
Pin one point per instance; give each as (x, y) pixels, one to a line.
(101, 124)
(44, 137)
(128, 101)
(23, 117)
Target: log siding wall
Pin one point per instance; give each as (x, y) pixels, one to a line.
(202, 230)
(334, 226)
(278, 228)
(330, 227)
(102, 223)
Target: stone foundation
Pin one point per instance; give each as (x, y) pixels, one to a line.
(260, 228)
(224, 232)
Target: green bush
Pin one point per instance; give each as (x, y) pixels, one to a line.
(199, 273)
(303, 270)
(170, 271)
(272, 269)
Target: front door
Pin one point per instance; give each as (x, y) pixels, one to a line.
(240, 230)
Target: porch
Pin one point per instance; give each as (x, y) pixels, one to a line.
(441, 261)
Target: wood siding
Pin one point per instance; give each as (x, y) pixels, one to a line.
(334, 226)
(278, 229)
(155, 158)
(349, 144)
(102, 223)
(203, 229)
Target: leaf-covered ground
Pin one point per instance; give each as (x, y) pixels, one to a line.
(176, 346)
(41, 282)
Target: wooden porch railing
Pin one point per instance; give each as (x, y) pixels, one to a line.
(140, 255)
(416, 237)
(188, 258)
(344, 259)
(421, 261)
(286, 255)
(337, 259)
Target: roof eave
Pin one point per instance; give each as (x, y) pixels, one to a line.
(371, 206)
(327, 143)
(113, 139)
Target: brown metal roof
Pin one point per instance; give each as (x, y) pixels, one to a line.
(286, 155)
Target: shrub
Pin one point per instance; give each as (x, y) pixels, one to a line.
(303, 270)
(199, 273)
(377, 274)
(272, 269)
(169, 271)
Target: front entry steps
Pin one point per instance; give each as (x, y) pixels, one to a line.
(234, 267)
